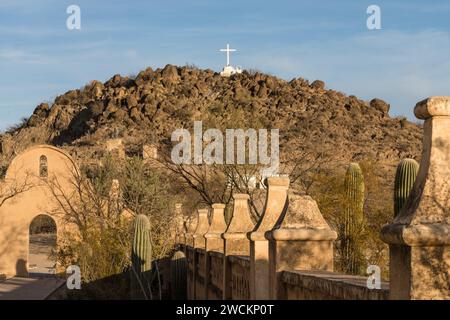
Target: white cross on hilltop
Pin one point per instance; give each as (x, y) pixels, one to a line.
(229, 70)
(228, 50)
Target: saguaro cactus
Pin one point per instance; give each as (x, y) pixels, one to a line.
(404, 181)
(141, 258)
(351, 252)
(178, 276)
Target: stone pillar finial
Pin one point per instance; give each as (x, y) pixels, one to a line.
(202, 228)
(301, 240)
(276, 203)
(235, 239)
(213, 236)
(213, 242)
(419, 237)
(218, 225)
(240, 223)
(277, 189)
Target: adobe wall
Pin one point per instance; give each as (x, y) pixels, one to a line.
(17, 212)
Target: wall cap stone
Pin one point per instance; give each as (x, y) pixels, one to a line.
(240, 223)
(276, 205)
(301, 235)
(278, 181)
(301, 221)
(417, 235)
(241, 196)
(433, 106)
(424, 220)
(218, 225)
(202, 223)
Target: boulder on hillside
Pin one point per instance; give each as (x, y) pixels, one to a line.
(240, 92)
(380, 105)
(318, 84)
(115, 81)
(94, 89)
(135, 114)
(96, 107)
(119, 114)
(170, 72)
(144, 76)
(271, 82)
(39, 115)
(41, 109)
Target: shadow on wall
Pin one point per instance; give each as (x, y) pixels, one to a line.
(436, 259)
(21, 268)
(12, 239)
(114, 287)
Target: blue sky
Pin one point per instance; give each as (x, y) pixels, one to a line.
(403, 63)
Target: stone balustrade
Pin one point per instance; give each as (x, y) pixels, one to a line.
(288, 254)
(419, 237)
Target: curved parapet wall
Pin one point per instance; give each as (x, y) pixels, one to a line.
(27, 161)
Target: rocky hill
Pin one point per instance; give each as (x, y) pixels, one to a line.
(148, 107)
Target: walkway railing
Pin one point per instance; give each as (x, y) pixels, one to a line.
(289, 253)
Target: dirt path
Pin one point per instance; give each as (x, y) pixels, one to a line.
(29, 288)
(41, 260)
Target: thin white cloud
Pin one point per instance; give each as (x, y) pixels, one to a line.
(12, 55)
(26, 4)
(18, 30)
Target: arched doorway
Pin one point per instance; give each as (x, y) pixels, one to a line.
(42, 246)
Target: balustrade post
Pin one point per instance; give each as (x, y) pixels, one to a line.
(199, 253)
(419, 236)
(276, 202)
(213, 242)
(235, 239)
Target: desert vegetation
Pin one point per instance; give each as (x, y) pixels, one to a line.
(322, 132)
(108, 198)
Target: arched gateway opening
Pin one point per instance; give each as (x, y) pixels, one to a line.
(42, 246)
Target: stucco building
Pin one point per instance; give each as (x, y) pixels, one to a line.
(25, 194)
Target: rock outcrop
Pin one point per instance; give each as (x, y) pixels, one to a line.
(155, 102)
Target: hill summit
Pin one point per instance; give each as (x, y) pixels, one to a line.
(148, 107)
